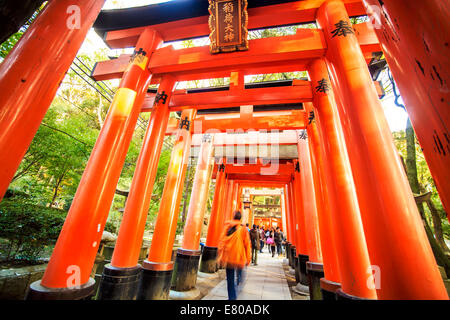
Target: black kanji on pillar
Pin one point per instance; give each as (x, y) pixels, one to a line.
(161, 96)
(185, 123)
(311, 117)
(342, 29)
(297, 167)
(137, 53)
(323, 86)
(222, 167)
(303, 135)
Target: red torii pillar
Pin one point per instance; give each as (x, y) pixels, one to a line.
(188, 256)
(418, 58)
(235, 199)
(216, 220)
(289, 234)
(340, 186)
(229, 201)
(374, 161)
(121, 277)
(67, 274)
(312, 249)
(284, 216)
(311, 174)
(31, 74)
(157, 269)
(298, 229)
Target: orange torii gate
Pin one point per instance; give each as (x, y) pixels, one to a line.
(342, 218)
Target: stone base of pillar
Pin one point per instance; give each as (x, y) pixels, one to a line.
(119, 283)
(155, 281)
(185, 271)
(302, 260)
(208, 262)
(287, 250)
(315, 273)
(341, 295)
(329, 289)
(301, 289)
(39, 292)
(297, 270)
(193, 294)
(292, 255)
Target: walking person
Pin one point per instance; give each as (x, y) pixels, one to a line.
(234, 252)
(267, 236)
(278, 239)
(254, 240)
(271, 242)
(261, 238)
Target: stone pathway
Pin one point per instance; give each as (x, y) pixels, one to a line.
(266, 281)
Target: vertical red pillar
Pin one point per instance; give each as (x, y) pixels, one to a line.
(199, 195)
(124, 262)
(284, 215)
(216, 220)
(299, 212)
(293, 205)
(31, 74)
(229, 200)
(155, 283)
(235, 198)
(337, 176)
(327, 241)
(298, 233)
(418, 58)
(375, 163)
(310, 202)
(129, 241)
(74, 253)
(188, 256)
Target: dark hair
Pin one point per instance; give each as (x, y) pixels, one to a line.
(246, 224)
(237, 215)
(254, 226)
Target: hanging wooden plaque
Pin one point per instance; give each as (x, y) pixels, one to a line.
(228, 25)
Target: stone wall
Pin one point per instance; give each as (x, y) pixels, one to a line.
(14, 282)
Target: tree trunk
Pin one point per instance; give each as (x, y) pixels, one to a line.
(58, 183)
(411, 172)
(411, 167)
(437, 225)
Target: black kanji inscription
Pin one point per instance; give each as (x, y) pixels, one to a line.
(342, 29)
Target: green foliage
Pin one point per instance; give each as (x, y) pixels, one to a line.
(425, 179)
(110, 227)
(7, 46)
(28, 227)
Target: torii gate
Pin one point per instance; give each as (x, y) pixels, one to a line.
(349, 180)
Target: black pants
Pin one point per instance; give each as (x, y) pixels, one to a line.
(272, 247)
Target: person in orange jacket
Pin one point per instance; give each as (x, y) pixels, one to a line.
(234, 252)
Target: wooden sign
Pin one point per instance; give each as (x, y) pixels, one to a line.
(228, 25)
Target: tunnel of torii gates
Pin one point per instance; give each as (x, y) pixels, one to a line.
(352, 225)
